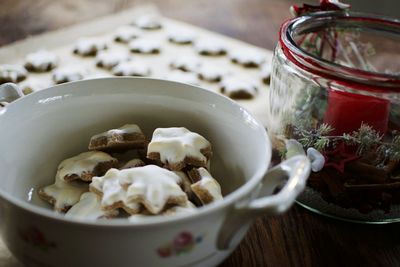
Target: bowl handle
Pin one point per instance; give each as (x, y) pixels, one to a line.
(10, 92)
(292, 174)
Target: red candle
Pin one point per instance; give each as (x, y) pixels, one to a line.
(346, 112)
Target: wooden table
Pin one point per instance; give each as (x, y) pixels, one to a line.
(298, 238)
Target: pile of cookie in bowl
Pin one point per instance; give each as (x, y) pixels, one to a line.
(126, 175)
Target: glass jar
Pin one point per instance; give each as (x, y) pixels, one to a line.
(335, 95)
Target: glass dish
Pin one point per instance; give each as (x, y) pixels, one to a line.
(335, 95)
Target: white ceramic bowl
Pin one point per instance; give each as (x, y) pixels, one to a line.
(40, 130)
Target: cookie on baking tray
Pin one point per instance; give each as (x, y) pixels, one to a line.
(183, 77)
(132, 68)
(145, 46)
(210, 47)
(210, 73)
(248, 58)
(128, 136)
(41, 61)
(187, 64)
(148, 22)
(89, 208)
(12, 73)
(89, 46)
(63, 195)
(67, 74)
(125, 34)
(181, 36)
(204, 186)
(109, 59)
(266, 69)
(177, 147)
(238, 88)
(33, 85)
(85, 165)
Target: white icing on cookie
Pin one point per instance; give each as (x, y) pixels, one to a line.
(125, 129)
(181, 36)
(82, 163)
(12, 73)
(89, 208)
(183, 77)
(208, 185)
(132, 68)
(33, 85)
(266, 71)
(188, 208)
(152, 186)
(109, 59)
(247, 57)
(148, 22)
(65, 194)
(188, 63)
(145, 46)
(86, 46)
(232, 86)
(210, 47)
(125, 34)
(112, 192)
(211, 73)
(176, 143)
(133, 163)
(41, 60)
(67, 74)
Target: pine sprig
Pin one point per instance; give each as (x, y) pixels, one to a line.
(365, 138)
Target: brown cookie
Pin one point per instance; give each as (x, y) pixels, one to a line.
(89, 46)
(145, 46)
(237, 88)
(129, 136)
(12, 73)
(85, 166)
(41, 61)
(206, 188)
(177, 147)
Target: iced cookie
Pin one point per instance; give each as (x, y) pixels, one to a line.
(181, 36)
(133, 163)
(266, 73)
(177, 147)
(89, 208)
(152, 186)
(33, 85)
(237, 88)
(125, 34)
(145, 46)
(12, 73)
(206, 188)
(63, 195)
(210, 73)
(109, 59)
(188, 64)
(183, 77)
(187, 208)
(67, 74)
(85, 165)
(209, 47)
(148, 22)
(113, 195)
(41, 61)
(132, 68)
(89, 46)
(129, 136)
(248, 58)
(186, 187)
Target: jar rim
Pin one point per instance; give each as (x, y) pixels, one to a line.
(349, 76)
